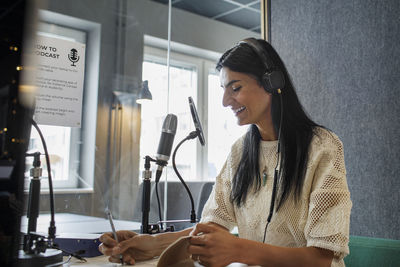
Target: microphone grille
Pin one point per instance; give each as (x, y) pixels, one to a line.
(170, 124)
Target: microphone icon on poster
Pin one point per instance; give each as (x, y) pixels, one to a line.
(73, 56)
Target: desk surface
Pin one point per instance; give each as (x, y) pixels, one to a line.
(81, 224)
(73, 223)
(102, 261)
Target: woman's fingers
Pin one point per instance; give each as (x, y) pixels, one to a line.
(108, 239)
(126, 259)
(124, 245)
(129, 259)
(108, 251)
(203, 228)
(198, 245)
(114, 258)
(196, 250)
(199, 240)
(124, 235)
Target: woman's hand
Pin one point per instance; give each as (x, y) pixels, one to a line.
(132, 246)
(212, 245)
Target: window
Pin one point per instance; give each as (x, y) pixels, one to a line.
(183, 80)
(64, 157)
(189, 76)
(67, 144)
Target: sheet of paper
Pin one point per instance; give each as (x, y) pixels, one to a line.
(59, 80)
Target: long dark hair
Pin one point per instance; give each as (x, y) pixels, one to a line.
(296, 132)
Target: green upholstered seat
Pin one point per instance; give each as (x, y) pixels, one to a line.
(377, 252)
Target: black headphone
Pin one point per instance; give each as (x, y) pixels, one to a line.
(273, 80)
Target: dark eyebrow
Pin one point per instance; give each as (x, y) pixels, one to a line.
(230, 83)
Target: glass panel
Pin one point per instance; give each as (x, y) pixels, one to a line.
(98, 166)
(58, 144)
(182, 84)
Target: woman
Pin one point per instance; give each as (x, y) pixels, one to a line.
(283, 184)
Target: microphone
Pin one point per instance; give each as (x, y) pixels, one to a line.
(196, 121)
(165, 144)
(73, 56)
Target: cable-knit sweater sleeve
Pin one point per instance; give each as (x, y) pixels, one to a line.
(329, 202)
(218, 208)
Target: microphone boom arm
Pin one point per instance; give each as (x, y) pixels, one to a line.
(192, 135)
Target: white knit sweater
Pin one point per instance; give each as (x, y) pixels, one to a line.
(322, 216)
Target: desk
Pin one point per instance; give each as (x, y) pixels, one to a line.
(73, 223)
(102, 261)
(81, 224)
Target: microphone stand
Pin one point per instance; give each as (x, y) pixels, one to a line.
(34, 193)
(147, 228)
(37, 249)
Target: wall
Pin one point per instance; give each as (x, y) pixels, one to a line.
(123, 26)
(344, 59)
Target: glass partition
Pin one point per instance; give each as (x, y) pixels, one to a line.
(109, 48)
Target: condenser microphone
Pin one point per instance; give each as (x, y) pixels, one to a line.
(196, 122)
(166, 142)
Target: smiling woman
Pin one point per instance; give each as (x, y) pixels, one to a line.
(303, 174)
(282, 143)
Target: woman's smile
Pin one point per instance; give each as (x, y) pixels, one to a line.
(239, 110)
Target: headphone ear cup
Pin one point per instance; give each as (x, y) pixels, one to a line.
(273, 81)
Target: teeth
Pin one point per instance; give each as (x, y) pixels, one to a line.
(239, 109)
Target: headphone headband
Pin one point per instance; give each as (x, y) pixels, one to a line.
(273, 80)
(253, 43)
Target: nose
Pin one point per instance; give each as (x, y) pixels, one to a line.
(226, 99)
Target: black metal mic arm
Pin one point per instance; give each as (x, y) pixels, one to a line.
(192, 135)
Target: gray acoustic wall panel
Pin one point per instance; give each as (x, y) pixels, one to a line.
(344, 58)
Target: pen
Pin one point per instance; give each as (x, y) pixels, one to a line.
(108, 212)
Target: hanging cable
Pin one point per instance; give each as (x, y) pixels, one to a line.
(277, 171)
(159, 206)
